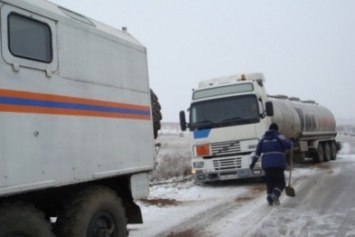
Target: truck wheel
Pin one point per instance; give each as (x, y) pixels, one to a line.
(333, 150)
(21, 219)
(327, 153)
(156, 113)
(319, 158)
(93, 212)
(299, 157)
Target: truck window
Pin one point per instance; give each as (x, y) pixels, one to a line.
(224, 112)
(29, 39)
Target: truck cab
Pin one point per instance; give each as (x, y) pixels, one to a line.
(227, 116)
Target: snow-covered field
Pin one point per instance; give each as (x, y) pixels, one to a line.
(172, 205)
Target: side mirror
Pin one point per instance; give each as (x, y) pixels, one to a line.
(182, 120)
(269, 108)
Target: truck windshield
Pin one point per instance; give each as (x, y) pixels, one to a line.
(224, 112)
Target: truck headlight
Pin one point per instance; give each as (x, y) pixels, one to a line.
(198, 165)
(258, 165)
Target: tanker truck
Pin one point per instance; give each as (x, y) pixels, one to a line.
(228, 116)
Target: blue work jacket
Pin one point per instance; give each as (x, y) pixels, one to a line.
(272, 146)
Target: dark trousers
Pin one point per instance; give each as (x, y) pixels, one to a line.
(275, 181)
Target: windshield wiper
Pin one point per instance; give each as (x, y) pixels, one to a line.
(234, 119)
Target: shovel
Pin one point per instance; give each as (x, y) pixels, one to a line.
(290, 191)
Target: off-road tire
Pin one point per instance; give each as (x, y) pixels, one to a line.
(156, 113)
(21, 219)
(91, 210)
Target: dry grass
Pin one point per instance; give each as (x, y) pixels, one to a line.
(174, 157)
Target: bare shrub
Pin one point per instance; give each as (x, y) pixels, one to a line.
(171, 166)
(174, 157)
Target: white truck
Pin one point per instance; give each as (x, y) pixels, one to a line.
(77, 124)
(228, 116)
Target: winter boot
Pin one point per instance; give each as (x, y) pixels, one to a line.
(275, 199)
(276, 195)
(269, 200)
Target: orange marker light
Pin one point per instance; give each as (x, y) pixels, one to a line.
(203, 150)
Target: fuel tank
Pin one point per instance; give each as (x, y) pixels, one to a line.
(302, 119)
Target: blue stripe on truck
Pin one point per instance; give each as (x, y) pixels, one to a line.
(201, 133)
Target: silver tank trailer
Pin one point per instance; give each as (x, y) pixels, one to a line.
(302, 120)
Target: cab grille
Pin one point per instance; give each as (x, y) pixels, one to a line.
(225, 148)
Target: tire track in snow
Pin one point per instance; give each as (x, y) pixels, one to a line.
(201, 225)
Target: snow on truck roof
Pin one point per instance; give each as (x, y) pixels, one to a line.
(61, 14)
(225, 80)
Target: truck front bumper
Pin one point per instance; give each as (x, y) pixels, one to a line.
(228, 175)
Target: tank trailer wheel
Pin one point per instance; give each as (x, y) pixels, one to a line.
(299, 157)
(93, 212)
(21, 219)
(327, 152)
(334, 150)
(319, 156)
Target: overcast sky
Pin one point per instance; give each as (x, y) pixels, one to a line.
(305, 48)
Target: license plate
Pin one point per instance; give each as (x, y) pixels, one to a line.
(229, 176)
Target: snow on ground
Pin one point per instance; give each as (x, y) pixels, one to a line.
(188, 199)
(170, 203)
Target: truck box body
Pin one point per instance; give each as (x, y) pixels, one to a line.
(76, 121)
(75, 103)
(228, 116)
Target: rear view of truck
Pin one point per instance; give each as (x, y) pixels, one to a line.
(77, 137)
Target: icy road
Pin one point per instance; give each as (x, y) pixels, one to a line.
(324, 205)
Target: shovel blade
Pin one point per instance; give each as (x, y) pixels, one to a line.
(290, 191)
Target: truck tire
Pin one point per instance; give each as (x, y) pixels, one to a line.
(21, 219)
(93, 212)
(319, 158)
(333, 150)
(327, 152)
(156, 113)
(299, 157)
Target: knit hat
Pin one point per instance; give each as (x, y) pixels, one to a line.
(274, 126)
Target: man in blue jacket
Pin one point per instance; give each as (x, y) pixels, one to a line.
(273, 146)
